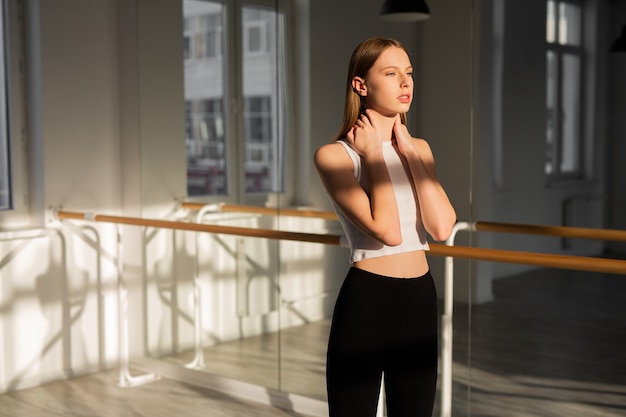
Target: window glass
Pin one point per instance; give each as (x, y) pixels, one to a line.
(551, 111)
(205, 115)
(563, 18)
(263, 97)
(569, 24)
(564, 56)
(551, 21)
(570, 99)
(5, 182)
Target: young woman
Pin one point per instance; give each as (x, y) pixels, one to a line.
(383, 186)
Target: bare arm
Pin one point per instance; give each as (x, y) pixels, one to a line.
(376, 214)
(438, 215)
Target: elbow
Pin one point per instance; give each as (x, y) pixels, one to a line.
(441, 235)
(440, 227)
(390, 237)
(442, 231)
(393, 241)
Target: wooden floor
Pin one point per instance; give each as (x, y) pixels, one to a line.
(552, 343)
(99, 396)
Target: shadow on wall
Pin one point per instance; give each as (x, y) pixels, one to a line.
(49, 317)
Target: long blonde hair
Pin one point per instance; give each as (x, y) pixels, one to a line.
(363, 58)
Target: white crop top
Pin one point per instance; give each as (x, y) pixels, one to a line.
(362, 246)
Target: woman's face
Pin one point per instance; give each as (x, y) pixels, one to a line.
(389, 83)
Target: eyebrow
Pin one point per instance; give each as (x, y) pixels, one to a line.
(395, 67)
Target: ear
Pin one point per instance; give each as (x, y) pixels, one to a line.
(359, 87)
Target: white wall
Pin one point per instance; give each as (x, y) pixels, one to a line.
(80, 105)
(58, 291)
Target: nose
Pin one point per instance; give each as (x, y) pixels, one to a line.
(407, 80)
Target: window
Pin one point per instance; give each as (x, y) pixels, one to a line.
(206, 168)
(564, 86)
(234, 99)
(258, 133)
(5, 179)
(203, 36)
(255, 33)
(14, 210)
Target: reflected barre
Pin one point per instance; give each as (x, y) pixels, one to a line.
(579, 263)
(557, 231)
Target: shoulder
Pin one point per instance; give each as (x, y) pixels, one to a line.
(331, 154)
(421, 142)
(422, 146)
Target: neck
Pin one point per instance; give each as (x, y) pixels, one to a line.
(385, 125)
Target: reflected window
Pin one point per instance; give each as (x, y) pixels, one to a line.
(234, 98)
(564, 61)
(5, 179)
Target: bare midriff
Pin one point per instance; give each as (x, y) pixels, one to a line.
(399, 265)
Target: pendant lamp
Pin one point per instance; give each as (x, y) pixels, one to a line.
(619, 45)
(405, 10)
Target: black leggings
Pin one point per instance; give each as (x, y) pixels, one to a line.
(389, 325)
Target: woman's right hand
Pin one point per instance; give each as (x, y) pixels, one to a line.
(364, 136)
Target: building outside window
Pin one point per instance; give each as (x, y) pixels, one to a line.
(234, 98)
(564, 86)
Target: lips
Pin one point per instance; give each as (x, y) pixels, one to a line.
(405, 98)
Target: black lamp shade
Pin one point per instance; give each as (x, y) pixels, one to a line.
(405, 10)
(619, 45)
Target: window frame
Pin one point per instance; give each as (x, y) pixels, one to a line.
(235, 48)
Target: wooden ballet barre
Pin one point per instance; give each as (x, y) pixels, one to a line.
(579, 263)
(199, 227)
(271, 211)
(612, 266)
(557, 231)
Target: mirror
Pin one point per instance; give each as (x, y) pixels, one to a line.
(223, 317)
(548, 124)
(525, 125)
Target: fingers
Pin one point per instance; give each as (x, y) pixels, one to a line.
(363, 121)
(397, 122)
(350, 135)
(369, 116)
(398, 126)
